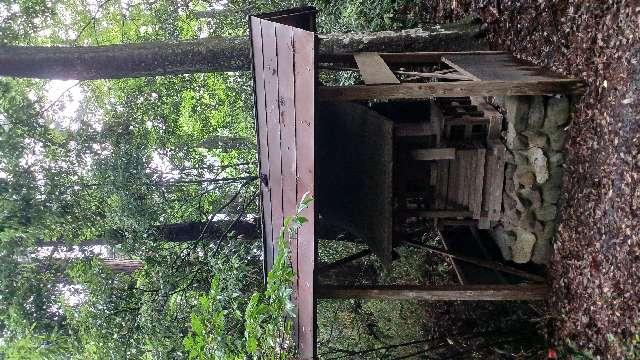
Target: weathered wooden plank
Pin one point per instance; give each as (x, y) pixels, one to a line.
(495, 206)
(443, 181)
(428, 57)
(434, 154)
(491, 114)
(433, 175)
(437, 120)
(287, 113)
(461, 181)
(273, 125)
(452, 185)
(373, 69)
(304, 99)
(415, 129)
(496, 67)
(449, 89)
(261, 126)
(455, 292)
(478, 174)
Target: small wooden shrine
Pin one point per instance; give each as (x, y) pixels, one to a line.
(406, 144)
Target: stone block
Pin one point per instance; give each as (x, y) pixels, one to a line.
(557, 114)
(530, 197)
(557, 140)
(528, 220)
(550, 193)
(556, 159)
(547, 212)
(523, 246)
(504, 240)
(544, 244)
(536, 112)
(535, 138)
(514, 140)
(539, 162)
(518, 111)
(524, 177)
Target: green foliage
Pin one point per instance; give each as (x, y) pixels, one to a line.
(267, 317)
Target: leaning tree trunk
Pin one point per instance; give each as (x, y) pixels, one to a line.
(125, 266)
(212, 54)
(178, 232)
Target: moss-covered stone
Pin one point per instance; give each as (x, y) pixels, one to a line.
(523, 246)
(536, 112)
(557, 113)
(547, 212)
(518, 111)
(539, 162)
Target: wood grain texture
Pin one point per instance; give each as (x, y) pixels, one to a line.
(374, 70)
(434, 154)
(454, 292)
(305, 143)
(284, 79)
(263, 149)
(269, 50)
(449, 89)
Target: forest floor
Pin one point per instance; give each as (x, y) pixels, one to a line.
(595, 268)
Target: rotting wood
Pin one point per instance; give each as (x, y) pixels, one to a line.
(448, 89)
(373, 69)
(434, 154)
(494, 265)
(454, 292)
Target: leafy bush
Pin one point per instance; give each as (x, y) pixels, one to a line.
(268, 318)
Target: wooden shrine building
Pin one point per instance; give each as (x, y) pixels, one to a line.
(406, 144)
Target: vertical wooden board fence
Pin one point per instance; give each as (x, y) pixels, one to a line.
(284, 76)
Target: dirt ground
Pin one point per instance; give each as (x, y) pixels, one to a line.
(595, 268)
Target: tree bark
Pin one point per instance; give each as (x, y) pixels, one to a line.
(126, 266)
(178, 232)
(214, 54)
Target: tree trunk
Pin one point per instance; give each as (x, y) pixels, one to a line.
(123, 265)
(179, 232)
(212, 54)
(228, 143)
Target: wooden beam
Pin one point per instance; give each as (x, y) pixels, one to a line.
(428, 57)
(415, 129)
(374, 70)
(460, 69)
(449, 89)
(434, 154)
(452, 292)
(494, 265)
(401, 58)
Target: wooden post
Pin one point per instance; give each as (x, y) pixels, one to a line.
(454, 292)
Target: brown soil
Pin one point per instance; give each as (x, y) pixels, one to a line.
(595, 268)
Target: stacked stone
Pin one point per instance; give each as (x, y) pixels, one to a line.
(535, 139)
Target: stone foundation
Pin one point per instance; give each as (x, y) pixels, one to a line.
(535, 139)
